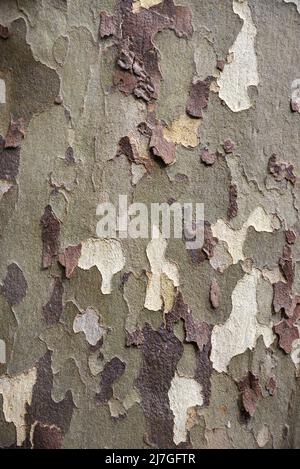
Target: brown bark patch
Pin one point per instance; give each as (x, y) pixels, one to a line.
(14, 286)
(160, 147)
(69, 155)
(161, 351)
(233, 206)
(271, 385)
(290, 236)
(46, 437)
(207, 250)
(215, 293)
(287, 333)
(199, 333)
(50, 236)
(52, 311)
(134, 338)
(113, 370)
(198, 97)
(9, 162)
(4, 32)
(208, 157)
(15, 133)
(128, 148)
(281, 170)
(69, 259)
(134, 34)
(251, 392)
(228, 146)
(43, 409)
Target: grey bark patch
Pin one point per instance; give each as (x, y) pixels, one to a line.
(27, 94)
(14, 286)
(263, 248)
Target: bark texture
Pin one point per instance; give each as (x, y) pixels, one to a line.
(143, 343)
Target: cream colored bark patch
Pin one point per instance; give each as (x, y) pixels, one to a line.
(241, 329)
(106, 255)
(88, 322)
(138, 4)
(296, 2)
(17, 392)
(295, 353)
(183, 131)
(2, 351)
(183, 394)
(4, 187)
(263, 436)
(242, 71)
(167, 292)
(221, 259)
(273, 275)
(137, 172)
(235, 239)
(160, 268)
(295, 95)
(2, 91)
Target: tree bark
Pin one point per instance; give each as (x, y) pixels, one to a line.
(114, 332)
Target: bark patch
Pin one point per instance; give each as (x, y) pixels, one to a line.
(161, 351)
(54, 308)
(198, 97)
(43, 409)
(50, 236)
(14, 285)
(69, 259)
(251, 392)
(113, 370)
